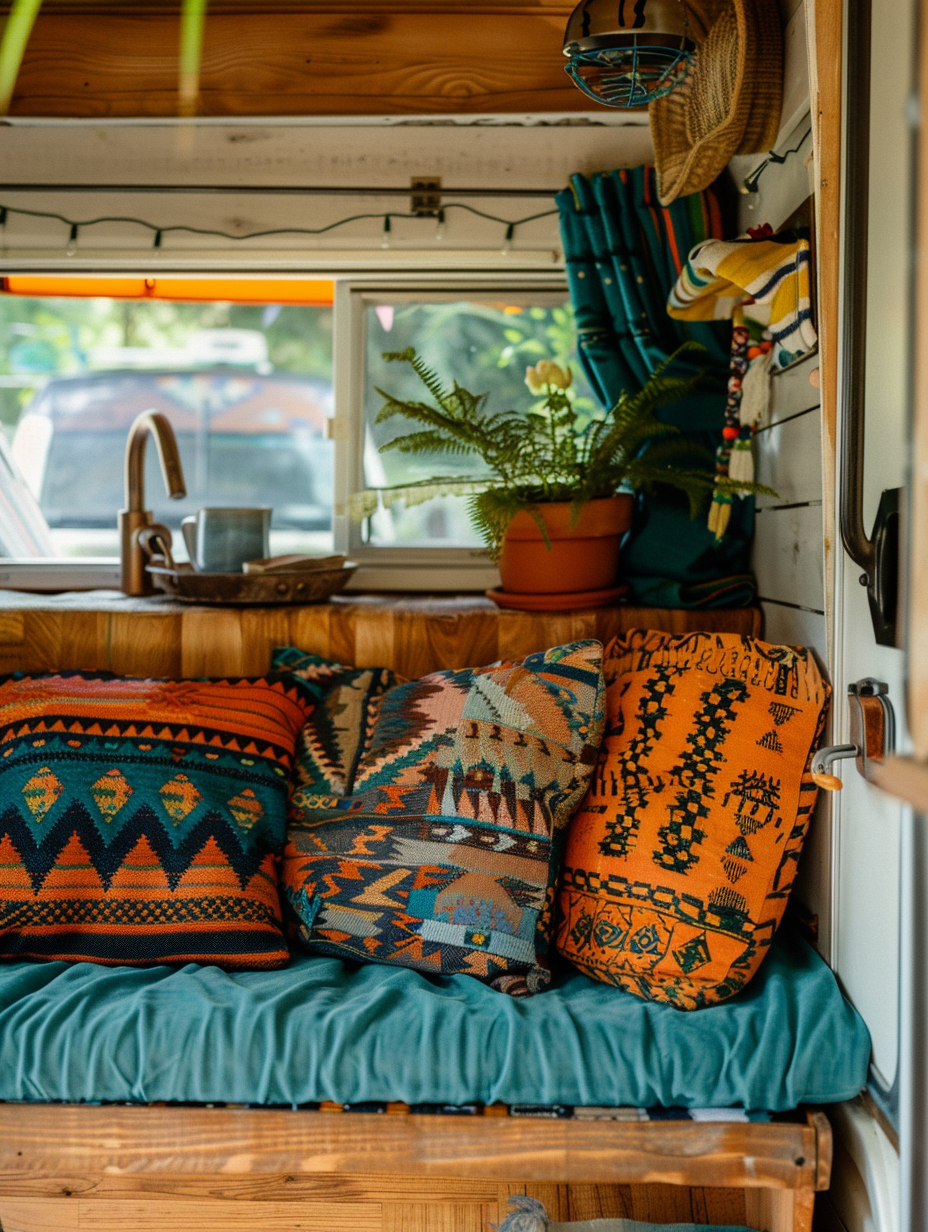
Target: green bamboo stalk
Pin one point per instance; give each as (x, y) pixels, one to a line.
(192, 23)
(13, 46)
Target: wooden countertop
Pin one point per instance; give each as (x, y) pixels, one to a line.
(413, 634)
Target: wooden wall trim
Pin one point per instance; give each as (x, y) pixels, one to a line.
(905, 778)
(826, 51)
(337, 8)
(120, 60)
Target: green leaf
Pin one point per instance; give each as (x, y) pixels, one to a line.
(553, 449)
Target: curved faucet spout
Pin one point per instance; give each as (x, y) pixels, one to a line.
(159, 426)
(135, 517)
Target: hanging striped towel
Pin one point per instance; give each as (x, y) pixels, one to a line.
(770, 280)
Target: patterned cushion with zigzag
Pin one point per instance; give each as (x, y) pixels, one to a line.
(434, 843)
(141, 820)
(680, 860)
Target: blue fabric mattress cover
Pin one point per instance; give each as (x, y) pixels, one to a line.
(323, 1029)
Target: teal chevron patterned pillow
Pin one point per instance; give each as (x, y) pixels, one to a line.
(443, 852)
(141, 820)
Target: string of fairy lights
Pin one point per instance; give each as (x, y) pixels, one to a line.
(750, 182)
(159, 230)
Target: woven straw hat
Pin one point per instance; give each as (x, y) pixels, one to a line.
(728, 104)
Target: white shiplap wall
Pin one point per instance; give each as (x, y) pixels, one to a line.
(788, 546)
(789, 554)
(789, 561)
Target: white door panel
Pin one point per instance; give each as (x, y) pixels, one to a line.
(867, 829)
(867, 822)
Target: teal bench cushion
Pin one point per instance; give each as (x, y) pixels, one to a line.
(325, 1029)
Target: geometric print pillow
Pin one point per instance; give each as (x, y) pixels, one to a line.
(141, 820)
(681, 858)
(344, 702)
(444, 853)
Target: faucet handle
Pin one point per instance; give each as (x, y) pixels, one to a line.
(155, 540)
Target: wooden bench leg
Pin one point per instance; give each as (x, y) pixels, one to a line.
(779, 1210)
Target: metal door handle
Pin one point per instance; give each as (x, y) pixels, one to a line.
(873, 732)
(824, 759)
(877, 553)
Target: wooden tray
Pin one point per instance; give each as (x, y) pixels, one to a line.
(238, 589)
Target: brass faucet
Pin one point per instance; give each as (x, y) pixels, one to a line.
(134, 518)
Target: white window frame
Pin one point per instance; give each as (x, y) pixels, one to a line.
(402, 568)
(380, 568)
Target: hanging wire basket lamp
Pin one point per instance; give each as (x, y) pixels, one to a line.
(624, 53)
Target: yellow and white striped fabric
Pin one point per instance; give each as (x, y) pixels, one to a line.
(769, 280)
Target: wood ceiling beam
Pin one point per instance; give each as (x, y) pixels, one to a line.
(339, 8)
(382, 57)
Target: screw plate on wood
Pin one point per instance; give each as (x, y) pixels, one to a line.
(426, 194)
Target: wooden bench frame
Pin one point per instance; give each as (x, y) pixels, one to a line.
(70, 1167)
(119, 1168)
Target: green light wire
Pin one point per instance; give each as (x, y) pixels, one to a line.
(160, 230)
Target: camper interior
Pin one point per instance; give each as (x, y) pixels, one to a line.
(308, 312)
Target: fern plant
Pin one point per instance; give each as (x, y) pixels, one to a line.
(544, 454)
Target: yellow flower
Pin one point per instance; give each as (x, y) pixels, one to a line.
(534, 381)
(547, 374)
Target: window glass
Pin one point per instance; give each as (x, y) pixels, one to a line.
(485, 344)
(247, 389)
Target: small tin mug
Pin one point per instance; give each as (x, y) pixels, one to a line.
(221, 540)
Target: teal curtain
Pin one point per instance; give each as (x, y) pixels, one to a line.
(624, 251)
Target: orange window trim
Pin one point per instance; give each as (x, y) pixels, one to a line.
(318, 292)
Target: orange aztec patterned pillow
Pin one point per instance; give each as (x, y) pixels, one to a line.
(141, 820)
(681, 858)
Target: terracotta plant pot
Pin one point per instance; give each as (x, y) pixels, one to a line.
(584, 557)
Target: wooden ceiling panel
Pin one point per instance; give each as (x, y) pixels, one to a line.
(121, 60)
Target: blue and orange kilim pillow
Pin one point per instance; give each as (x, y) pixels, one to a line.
(443, 855)
(141, 820)
(681, 858)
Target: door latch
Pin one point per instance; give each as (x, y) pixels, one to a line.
(873, 734)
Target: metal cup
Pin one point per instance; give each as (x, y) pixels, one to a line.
(221, 540)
